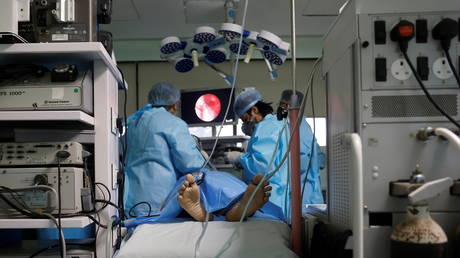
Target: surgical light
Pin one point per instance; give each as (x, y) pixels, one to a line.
(269, 39)
(170, 45)
(211, 47)
(231, 31)
(217, 55)
(204, 34)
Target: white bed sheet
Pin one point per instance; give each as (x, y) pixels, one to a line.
(257, 238)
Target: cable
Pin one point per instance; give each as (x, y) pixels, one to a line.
(428, 95)
(313, 145)
(121, 186)
(61, 235)
(61, 238)
(451, 64)
(17, 36)
(137, 204)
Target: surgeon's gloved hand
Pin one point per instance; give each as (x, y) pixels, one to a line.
(233, 156)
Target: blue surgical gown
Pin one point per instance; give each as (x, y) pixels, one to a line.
(160, 150)
(219, 191)
(261, 150)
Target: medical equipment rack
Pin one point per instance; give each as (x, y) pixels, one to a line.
(102, 124)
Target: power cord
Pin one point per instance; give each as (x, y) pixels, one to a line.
(61, 155)
(445, 31)
(402, 33)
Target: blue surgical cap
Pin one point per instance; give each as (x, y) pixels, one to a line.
(164, 94)
(247, 99)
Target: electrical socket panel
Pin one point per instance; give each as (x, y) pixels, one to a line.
(375, 33)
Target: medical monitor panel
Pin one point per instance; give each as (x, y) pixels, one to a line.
(206, 107)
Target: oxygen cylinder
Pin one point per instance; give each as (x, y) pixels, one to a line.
(418, 236)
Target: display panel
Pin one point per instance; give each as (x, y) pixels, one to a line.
(206, 106)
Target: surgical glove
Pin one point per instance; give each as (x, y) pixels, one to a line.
(233, 156)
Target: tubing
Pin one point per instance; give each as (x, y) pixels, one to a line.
(449, 135)
(357, 191)
(296, 209)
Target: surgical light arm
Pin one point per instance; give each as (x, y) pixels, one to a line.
(227, 78)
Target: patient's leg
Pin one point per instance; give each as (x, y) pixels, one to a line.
(260, 198)
(189, 198)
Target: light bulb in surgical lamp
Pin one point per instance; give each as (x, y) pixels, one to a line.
(231, 31)
(216, 55)
(277, 56)
(269, 39)
(170, 45)
(204, 34)
(251, 40)
(183, 65)
(234, 45)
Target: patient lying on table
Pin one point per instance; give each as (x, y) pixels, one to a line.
(189, 199)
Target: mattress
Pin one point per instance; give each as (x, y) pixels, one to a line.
(256, 238)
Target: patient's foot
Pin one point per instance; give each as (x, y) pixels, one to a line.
(260, 198)
(189, 199)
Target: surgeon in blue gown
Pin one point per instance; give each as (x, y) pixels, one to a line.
(315, 158)
(161, 152)
(266, 150)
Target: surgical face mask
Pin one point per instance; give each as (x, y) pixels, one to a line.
(281, 113)
(248, 128)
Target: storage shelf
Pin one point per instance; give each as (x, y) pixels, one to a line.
(77, 222)
(48, 115)
(85, 51)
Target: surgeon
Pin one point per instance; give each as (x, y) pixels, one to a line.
(164, 173)
(315, 158)
(266, 148)
(160, 150)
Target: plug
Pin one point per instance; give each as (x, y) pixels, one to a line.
(445, 31)
(402, 33)
(62, 155)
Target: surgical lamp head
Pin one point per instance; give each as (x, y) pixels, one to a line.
(235, 44)
(269, 39)
(183, 65)
(277, 56)
(245, 100)
(216, 55)
(163, 94)
(204, 34)
(231, 31)
(170, 45)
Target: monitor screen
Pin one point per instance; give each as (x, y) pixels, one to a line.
(206, 106)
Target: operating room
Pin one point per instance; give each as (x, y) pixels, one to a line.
(229, 128)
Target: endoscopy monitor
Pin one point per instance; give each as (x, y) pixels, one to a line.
(206, 107)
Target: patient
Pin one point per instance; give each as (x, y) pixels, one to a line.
(189, 199)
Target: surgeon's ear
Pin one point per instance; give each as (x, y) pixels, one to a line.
(254, 110)
(173, 109)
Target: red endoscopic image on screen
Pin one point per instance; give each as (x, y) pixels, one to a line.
(208, 107)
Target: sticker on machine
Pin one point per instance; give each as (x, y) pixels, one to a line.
(56, 103)
(60, 37)
(57, 93)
